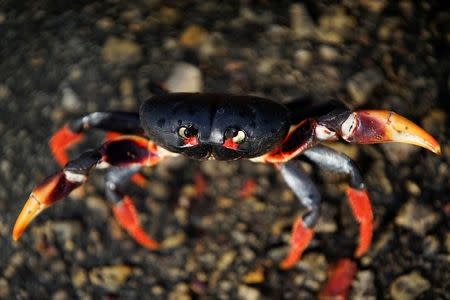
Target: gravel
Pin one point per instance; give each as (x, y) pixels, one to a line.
(60, 60)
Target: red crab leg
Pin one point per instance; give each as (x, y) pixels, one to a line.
(362, 210)
(61, 141)
(380, 126)
(300, 239)
(126, 151)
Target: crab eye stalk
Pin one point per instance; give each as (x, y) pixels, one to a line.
(189, 135)
(234, 137)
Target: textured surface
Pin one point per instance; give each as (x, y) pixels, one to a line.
(60, 60)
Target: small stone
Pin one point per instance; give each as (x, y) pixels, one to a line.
(247, 293)
(328, 53)
(121, 51)
(110, 278)
(70, 100)
(255, 276)
(193, 36)
(4, 288)
(417, 217)
(363, 287)
(375, 6)
(430, 245)
(314, 269)
(98, 206)
(174, 241)
(180, 292)
(79, 277)
(447, 242)
(185, 78)
(105, 23)
(413, 188)
(4, 91)
(2, 18)
(303, 57)
(335, 25)
(60, 295)
(301, 22)
(409, 286)
(361, 85)
(398, 152)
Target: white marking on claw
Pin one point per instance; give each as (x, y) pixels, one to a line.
(102, 165)
(349, 126)
(323, 133)
(74, 177)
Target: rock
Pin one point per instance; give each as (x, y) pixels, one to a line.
(364, 287)
(313, 267)
(174, 240)
(447, 242)
(4, 288)
(255, 276)
(303, 57)
(65, 230)
(70, 100)
(79, 277)
(110, 278)
(60, 295)
(301, 22)
(361, 85)
(375, 6)
(5, 92)
(180, 292)
(185, 78)
(193, 36)
(412, 188)
(105, 23)
(335, 25)
(247, 293)
(121, 51)
(409, 286)
(417, 217)
(328, 53)
(397, 152)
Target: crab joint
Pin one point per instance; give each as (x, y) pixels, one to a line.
(381, 126)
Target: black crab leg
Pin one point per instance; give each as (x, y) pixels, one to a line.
(72, 132)
(124, 151)
(309, 196)
(357, 195)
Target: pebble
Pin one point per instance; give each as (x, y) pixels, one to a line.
(105, 23)
(363, 287)
(303, 57)
(110, 278)
(79, 277)
(255, 276)
(98, 206)
(313, 268)
(185, 78)
(4, 288)
(408, 286)
(301, 22)
(397, 152)
(180, 292)
(193, 36)
(361, 85)
(328, 53)
(5, 92)
(375, 6)
(65, 230)
(70, 100)
(417, 217)
(335, 25)
(174, 241)
(121, 51)
(247, 293)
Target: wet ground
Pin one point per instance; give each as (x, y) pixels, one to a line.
(59, 60)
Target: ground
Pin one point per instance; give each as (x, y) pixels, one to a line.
(60, 59)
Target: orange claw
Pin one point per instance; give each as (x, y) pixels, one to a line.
(380, 126)
(62, 140)
(126, 214)
(362, 210)
(44, 195)
(300, 239)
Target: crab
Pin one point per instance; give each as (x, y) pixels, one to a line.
(226, 127)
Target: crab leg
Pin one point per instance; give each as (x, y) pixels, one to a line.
(357, 195)
(72, 133)
(126, 151)
(377, 126)
(309, 196)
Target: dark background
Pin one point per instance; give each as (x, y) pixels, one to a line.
(59, 60)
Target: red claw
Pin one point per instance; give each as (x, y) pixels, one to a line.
(62, 140)
(340, 280)
(300, 239)
(362, 210)
(126, 214)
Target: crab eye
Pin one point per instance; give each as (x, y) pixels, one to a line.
(187, 132)
(236, 135)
